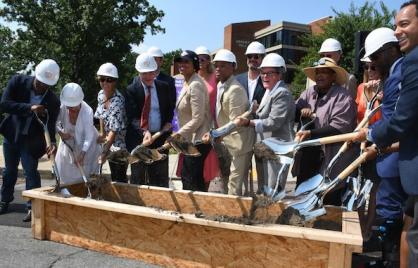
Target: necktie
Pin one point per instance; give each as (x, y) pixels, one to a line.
(146, 109)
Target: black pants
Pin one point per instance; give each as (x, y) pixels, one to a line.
(118, 171)
(192, 172)
(155, 174)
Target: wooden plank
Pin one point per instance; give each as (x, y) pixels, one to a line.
(38, 219)
(351, 225)
(336, 255)
(174, 244)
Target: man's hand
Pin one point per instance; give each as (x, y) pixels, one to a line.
(147, 140)
(38, 109)
(302, 135)
(255, 106)
(101, 139)
(371, 152)
(361, 135)
(241, 121)
(51, 150)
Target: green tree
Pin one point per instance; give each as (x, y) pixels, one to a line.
(168, 60)
(81, 35)
(343, 28)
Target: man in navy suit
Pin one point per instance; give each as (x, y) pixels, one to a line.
(24, 139)
(141, 126)
(402, 126)
(251, 80)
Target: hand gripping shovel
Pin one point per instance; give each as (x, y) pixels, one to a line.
(229, 127)
(57, 188)
(310, 205)
(80, 168)
(181, 146)
(315, 181)
(147, 155)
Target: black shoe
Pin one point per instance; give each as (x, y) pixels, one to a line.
(4, 207)
(28, 216)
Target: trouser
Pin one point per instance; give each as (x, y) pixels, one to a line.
(239, 170)
(118, 171)
(412, 235)
(192, 172)
(155, 174)
(390, 198)
(13, 153)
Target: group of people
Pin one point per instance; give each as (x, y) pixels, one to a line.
(212, 97)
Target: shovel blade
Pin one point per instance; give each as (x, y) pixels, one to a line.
(310, 184)
(279, 147)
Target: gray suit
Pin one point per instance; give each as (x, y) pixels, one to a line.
(274, 118)
(259, 89)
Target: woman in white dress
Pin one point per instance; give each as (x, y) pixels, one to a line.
(75, 127)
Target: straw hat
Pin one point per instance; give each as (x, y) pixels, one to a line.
(341, 73)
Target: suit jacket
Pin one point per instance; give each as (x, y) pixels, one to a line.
(135, 97)
(193, 109)
(234, 102)
(277, 113)
(259, 89)
(402, 126)
(16, 103)
(172, 92)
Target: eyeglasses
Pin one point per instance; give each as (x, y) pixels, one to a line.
(203, 59)
(253, 56)
(268, 74)
(322, 61)
(106, 79)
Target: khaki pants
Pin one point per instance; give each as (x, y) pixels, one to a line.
(239, 170)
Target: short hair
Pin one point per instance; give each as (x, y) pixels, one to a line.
(412, 2)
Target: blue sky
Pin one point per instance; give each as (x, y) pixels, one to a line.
(189, 24)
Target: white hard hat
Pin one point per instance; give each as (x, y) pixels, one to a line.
(145, 63)
(255, 48)
(330, 45)
(273, 60)
(377, 38)
(108, 69)
(225, 55)
(47, 72)
(71, 95)
(201, 50)
(155, 52)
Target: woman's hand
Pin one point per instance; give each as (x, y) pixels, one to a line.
(241, 121)
(64, 136)
(306, 112)
(101, 139)
(302, 135)
(80, 158)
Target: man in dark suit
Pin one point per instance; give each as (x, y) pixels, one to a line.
(161, 76)
(148, 111)
(402, 126)
(24, 139)
(251, 80)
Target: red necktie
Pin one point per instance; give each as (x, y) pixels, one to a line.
(146, 109)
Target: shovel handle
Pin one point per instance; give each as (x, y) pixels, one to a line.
(165, 146)
(338, 138)
(153, 138)
(101, 124)
(353, 166)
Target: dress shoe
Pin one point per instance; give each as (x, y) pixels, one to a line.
(28, 216)
(4, 207)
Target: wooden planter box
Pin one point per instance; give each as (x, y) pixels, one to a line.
(159, 226)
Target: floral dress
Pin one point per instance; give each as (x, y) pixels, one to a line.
(114, 118)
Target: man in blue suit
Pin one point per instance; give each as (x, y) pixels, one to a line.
(402, 126)
(383, 50)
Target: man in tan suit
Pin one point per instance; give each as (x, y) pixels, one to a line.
(231, 102)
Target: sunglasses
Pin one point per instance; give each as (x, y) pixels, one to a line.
(322, 61)
(253, 56)
(106, 79)
(369, 67)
